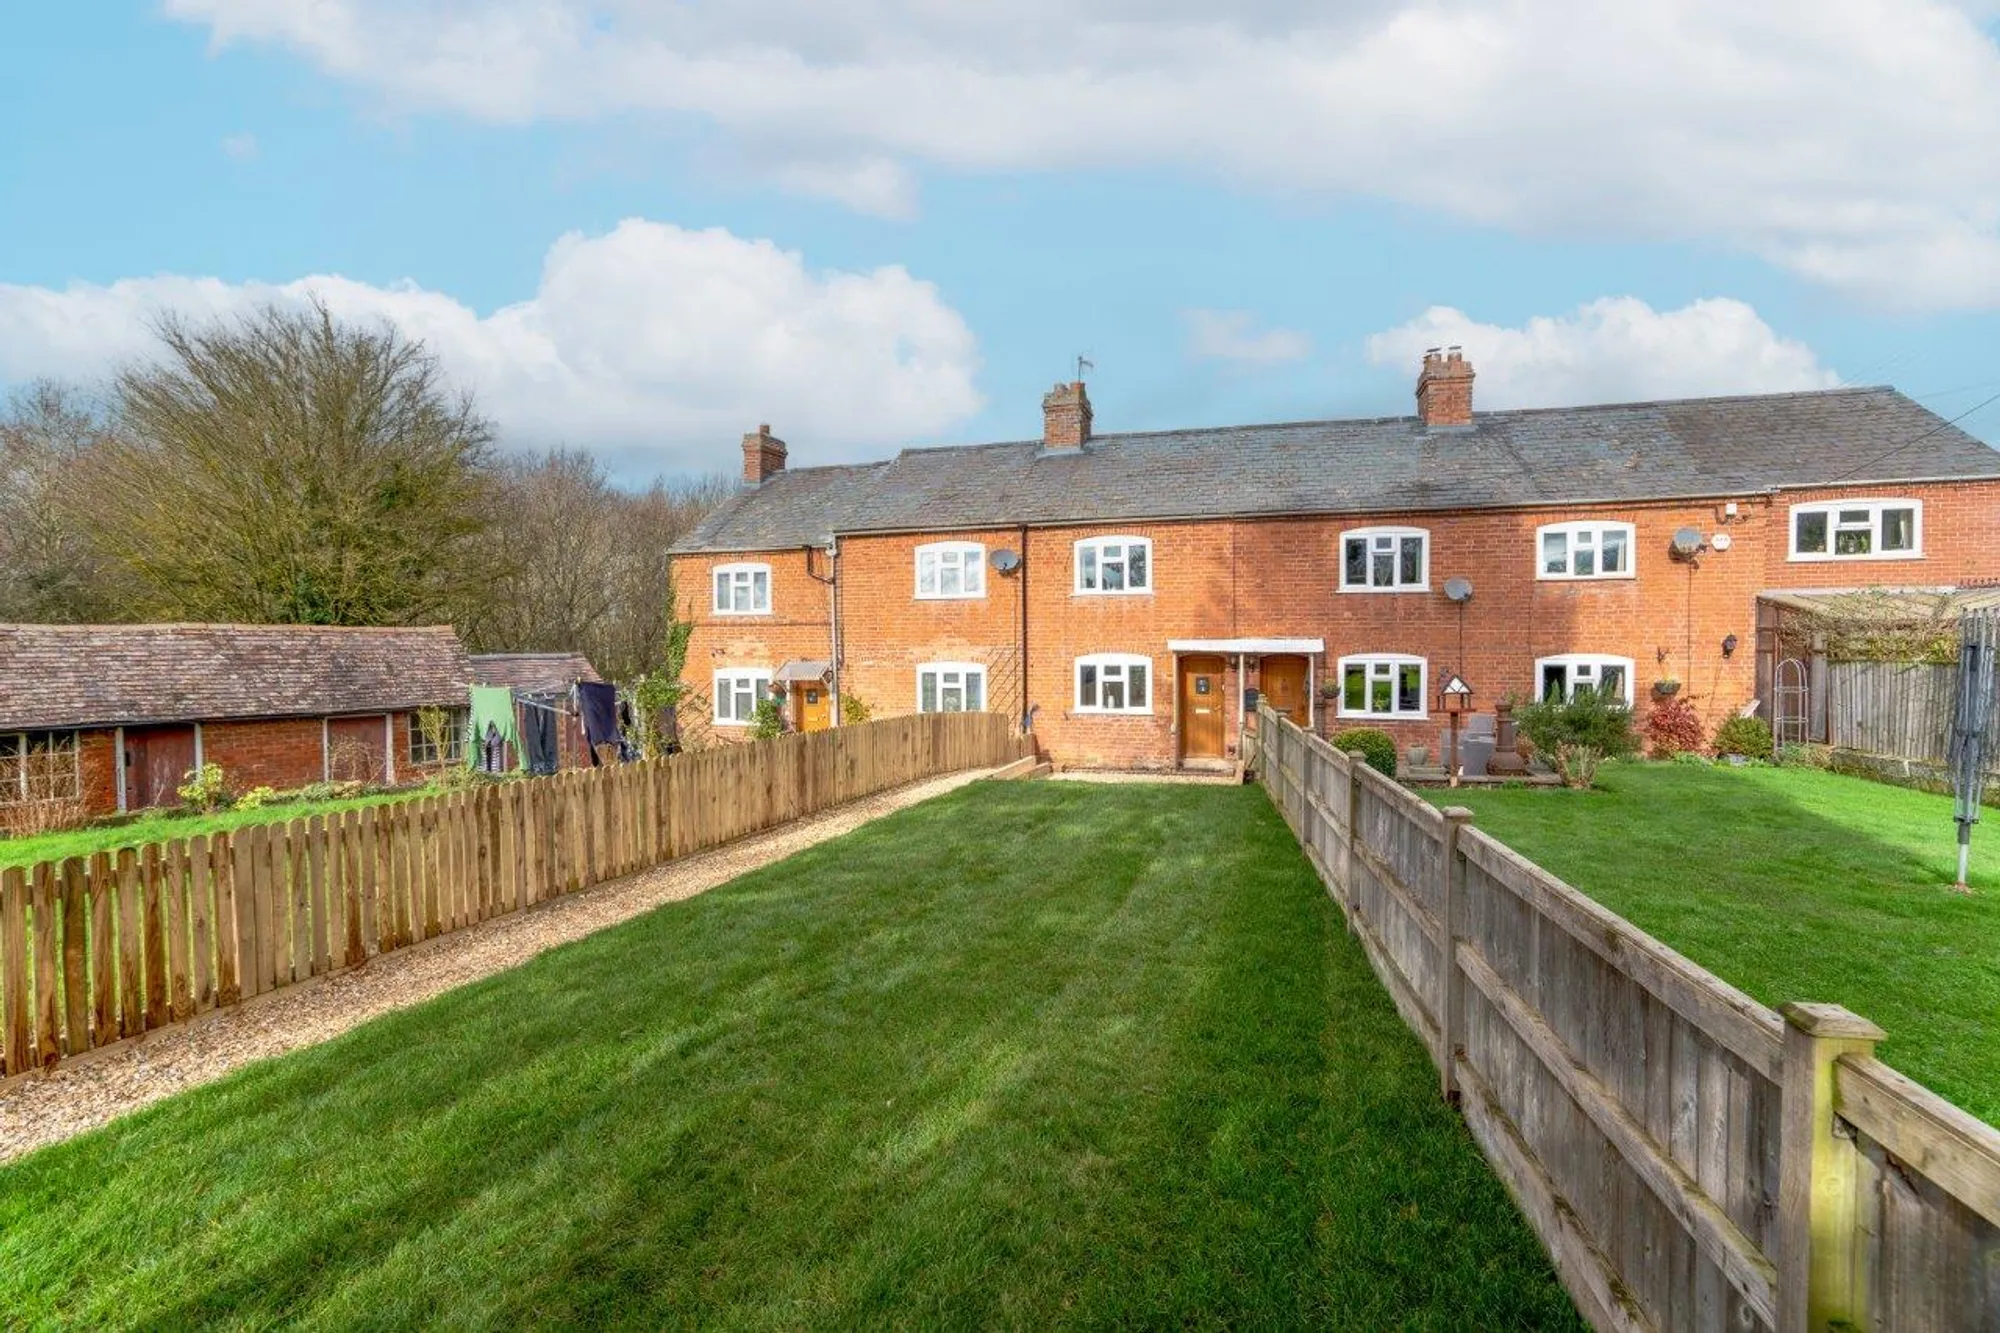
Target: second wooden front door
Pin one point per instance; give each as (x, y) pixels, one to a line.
(1283, 680)
(1203, 708)
(812, 705)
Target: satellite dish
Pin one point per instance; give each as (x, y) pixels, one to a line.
(1721, 541)
(1457, 589)
(1687, 543)
(1006, 561)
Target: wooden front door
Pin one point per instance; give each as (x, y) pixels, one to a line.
(157, 762)
(1283, 682)
(812, 705)
(1203, 708)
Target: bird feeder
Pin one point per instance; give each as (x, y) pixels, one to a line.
(1455, 697)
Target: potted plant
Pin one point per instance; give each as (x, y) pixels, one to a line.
(1666, 688)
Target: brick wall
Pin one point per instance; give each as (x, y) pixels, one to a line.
(1280, 577)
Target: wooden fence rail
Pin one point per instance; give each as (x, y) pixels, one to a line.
(98, 949)
(1691, 1159)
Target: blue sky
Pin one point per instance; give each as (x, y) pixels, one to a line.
(885, 226)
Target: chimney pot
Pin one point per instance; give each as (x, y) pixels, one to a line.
(1066, 417)
(1444, 389)
(763, 456)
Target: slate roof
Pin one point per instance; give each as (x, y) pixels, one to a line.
(1546, 456)
(110, 675)
(534, 673)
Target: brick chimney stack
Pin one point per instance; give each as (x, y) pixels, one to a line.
(1065, 416)
(1444, 388)
(763, 457)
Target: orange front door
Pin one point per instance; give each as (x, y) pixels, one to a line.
(1283, 680)
(812, 705)
(1202, 708)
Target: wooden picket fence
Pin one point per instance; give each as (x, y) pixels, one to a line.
(99, 949)
(1691, 1159)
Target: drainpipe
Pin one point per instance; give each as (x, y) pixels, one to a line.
(1025, 719)
(833, 624)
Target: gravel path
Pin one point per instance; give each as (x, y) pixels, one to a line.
(39, 1109)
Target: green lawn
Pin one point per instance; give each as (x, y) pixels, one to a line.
(1793, 884)
(1028, 1055)
(166, 825)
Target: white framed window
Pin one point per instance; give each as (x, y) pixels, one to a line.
(743, 590)
(446, 749)
(1584, 551)
(1858, 530)
(1383, 685)
(1385, 560)
(1559, 678)
(1111, 565)
(951, 687)
(737, 693)
(1114, 683)
(40, 766)
(951, 569)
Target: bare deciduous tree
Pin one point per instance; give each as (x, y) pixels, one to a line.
(49, 569)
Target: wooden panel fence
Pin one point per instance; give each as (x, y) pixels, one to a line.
(1900, 709)
(1691, 1159)
(98, 949)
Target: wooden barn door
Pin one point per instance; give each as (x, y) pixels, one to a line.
(157, 762)
(1283, 682)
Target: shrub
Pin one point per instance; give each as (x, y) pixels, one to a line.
(331, 791)
(1804, 754)
(768, 721)
(1674, 728)
(1747, 736)
(1579, 732)
(1694, 757)
(853, 712)
(1377, 747)
(256, 798)
(204, 788)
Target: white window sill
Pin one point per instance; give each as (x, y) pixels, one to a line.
(1111, 592)
(951, 597)
(727, 722)
(1111, 712)
(1410, 587)
(734, 614)
(1346, 716)
(1811, 559)
(1585, 578)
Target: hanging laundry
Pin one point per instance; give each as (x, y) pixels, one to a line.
(539, 731)
(493, 710)
(599, 702)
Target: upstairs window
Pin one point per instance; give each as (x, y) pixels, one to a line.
(1385, 560)
(1584, 551)
(39, 766)
(1114, 565)
(743, 590)
(1114, 683)
(1858, 530)
(951, 687)
(1382, 685)
(1559, 679)
(951, 569)
(737, 694)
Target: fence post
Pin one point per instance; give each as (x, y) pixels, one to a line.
(1348, 894)
(1452, 905)
(1819, 1281)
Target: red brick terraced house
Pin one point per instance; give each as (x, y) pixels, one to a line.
(118, 714)
(1125, 593)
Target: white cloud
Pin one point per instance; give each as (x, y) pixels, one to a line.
(1615, 349)
(1230, 335)
(654, 345)
(1849, 141)
(242, 146)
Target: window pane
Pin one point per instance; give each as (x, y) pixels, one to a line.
(760, 595)
(1413, 560)
(927, 575)
(1382, 572)
(951, 577)
(951, 698)
(975, 573)
(1089, 566)
(1135, 676)
(722, 590)
(1135, 567)
(1899, 529)
(1554, 682)
(1410, 697)
(1114, 689)
(1611, 682)
(975, 691)
(1086, 689)
(1354, 689)
(1585, 560)
(1378, 692)
(1853, 541)
(1114, 574)
(1357, 561)
(1810, 532)
(1611, 551)
(1555, 553)
(927, 691)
